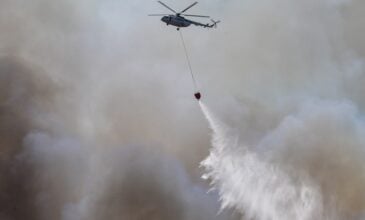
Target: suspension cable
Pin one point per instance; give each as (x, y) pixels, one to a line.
(188, 60)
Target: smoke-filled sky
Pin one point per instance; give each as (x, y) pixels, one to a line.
(98, 119)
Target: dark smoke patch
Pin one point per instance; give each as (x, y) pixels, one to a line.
(21, 93)
(17, 198)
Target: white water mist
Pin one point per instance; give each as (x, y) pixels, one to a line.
(282, 179)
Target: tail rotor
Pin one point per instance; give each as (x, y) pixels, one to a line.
(215, 23)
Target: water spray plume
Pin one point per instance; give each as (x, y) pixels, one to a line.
(253, 186)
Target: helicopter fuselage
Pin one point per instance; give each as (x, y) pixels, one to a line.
(177, 21)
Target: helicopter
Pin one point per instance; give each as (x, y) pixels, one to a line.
(178, 20)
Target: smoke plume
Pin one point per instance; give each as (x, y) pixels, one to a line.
(294, 147)
(89, 130)
(98, 119)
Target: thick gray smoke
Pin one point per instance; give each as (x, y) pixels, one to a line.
(89, 126)
(52, 169)
(294, 147)
(98, 119)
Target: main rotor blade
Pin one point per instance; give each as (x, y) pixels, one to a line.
(188, 7)
(167, 7)
(200, 16)
(159, 15)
